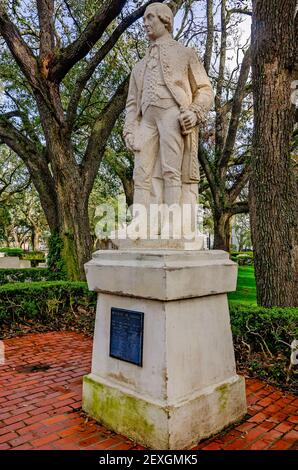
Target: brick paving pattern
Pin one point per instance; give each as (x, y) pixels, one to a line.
(40, 403)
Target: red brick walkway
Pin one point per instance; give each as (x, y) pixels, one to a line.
(40, 400)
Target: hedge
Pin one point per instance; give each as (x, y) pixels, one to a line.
(235, 253)
(262, 339)
(243, 258)
(55, 304)
(261, 336)
(35, 257)
(265, 329)
(28, 275)
(12, 251)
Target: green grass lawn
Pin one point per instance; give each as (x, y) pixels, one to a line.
(246, 287)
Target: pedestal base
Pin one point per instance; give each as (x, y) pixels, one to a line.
(165, 426)
(186, 388)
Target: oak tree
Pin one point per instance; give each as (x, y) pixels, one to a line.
(273, 192)
(56, 59)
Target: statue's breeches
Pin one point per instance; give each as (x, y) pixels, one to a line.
(159, 136)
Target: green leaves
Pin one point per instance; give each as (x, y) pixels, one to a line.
(8, 276)
(55, 260)
(49, 303)
(262, 338)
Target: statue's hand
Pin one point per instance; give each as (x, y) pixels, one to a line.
(129, 140)
(188, 120)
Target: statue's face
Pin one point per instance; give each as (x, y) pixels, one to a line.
(153, 26)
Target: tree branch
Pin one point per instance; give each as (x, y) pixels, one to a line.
(21, 113)
(223, 53)
(203, 159)
(242, 11)
(219, 121)
(100, 134)
(19, 49)
(11, 114)
(72, 17)
(16, 141)
(99, 56)
(236, 110)
(69, 56)
(226, 108)
(239, 208)
(13, 191)
(241, 159)
(210, 36)
(183, 22)
(45, 10)
(37, 165)
(239, 184)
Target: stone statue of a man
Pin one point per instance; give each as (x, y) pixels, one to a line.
(169, 96)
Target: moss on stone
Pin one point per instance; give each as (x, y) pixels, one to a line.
(223, 391)
(121, 412)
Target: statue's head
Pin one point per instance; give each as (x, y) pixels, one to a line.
(158, 20)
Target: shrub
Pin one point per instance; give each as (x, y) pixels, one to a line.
(12, 251)
(38, 255)
(265, 329)
(28, 275)
(55, 260)
(244, 258)
(55, 305)
(34, 256)
(262, 338)
(235, 253)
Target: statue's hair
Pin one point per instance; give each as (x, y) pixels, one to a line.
(164, 13)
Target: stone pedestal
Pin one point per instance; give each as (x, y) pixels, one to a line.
(187, 388)
(13, 262)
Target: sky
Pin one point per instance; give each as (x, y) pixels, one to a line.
(200, 13)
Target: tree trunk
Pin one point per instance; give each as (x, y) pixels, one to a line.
(71, 197)
(272, 192)
(128, 187)
(16, 239)
(74, 230)
(64, 184)
(35, 237)
(7, 236)
(241, 243)
(222, 231)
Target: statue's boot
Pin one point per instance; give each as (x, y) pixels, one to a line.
(172, 221)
